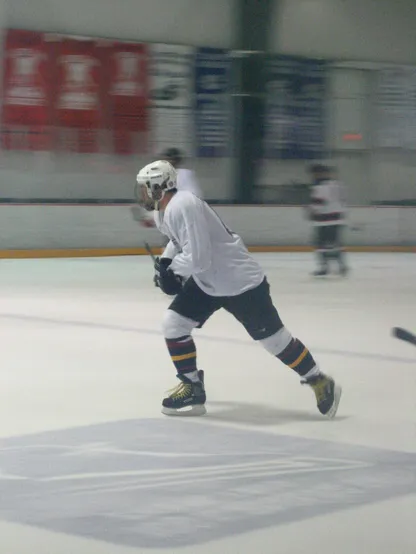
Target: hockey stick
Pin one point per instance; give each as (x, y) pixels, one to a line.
(149, 251)
(402, 334)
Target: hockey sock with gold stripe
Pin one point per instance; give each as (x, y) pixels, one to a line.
(182, 350)
(297, 357)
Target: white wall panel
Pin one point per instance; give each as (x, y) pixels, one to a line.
(349, 109)
(407, 226)
(394, 175)
(376, 30)
(192, 22)
(349, 83)
(34, 176)
(349, 129)
(354, 170)
(50, 227)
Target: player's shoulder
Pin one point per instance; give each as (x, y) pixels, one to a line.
(184, 199)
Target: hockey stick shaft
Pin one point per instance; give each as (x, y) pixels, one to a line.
(149, 251)
(404, 335)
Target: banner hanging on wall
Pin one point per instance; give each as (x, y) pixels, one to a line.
(171, 85)
(212, 105)
(295, 108)
(411, 123)
(396, 108)
(127, 92)
(78, 94)
(26, 110)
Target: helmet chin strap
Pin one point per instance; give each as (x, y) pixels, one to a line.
(157, 202)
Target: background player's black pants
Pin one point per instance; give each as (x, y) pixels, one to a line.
(328, 244)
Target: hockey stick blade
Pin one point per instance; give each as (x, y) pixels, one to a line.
(149, 251)
(402, 334)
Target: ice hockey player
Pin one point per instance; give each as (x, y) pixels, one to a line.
(327, 212)
(207, 267)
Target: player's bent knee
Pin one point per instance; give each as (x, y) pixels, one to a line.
(175, 325)
(277, 342)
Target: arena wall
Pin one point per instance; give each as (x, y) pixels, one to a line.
(71, 230)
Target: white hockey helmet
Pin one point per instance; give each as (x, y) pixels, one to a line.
(158, 178)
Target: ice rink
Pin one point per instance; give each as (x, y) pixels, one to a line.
(88, 464)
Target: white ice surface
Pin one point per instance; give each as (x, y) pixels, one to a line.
(56, 373)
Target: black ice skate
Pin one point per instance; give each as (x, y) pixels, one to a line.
(320, 272)
(187, 399)
(343, 270)
(327, 393)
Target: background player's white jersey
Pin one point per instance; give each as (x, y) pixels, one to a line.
(328, 203)
(186, 180)
(202, 247)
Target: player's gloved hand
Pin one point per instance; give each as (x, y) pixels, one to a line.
(165, 279)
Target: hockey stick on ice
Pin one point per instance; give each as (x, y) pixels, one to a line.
(402, 334)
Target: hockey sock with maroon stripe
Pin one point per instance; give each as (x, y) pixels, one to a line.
(182, 350)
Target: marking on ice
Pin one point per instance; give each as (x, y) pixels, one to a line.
(93, 481)
(222, 339)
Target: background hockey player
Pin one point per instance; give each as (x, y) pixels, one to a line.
(208, 267)
(327, 213)
(186, 178)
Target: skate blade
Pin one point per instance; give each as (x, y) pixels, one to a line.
(191, 411)
(334, 408)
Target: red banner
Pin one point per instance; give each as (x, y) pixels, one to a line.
(79, 95)
(26, 112)
(127, 92)
(78, 103)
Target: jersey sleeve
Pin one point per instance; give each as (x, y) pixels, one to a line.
(196, 251)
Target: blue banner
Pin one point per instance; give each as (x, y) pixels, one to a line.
(212, 104)
(295, 120)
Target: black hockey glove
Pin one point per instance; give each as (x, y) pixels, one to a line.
(165, 279)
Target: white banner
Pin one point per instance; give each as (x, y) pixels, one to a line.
(410, 141)
(172, 97)
(396, 108)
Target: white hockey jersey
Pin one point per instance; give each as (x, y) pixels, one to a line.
(188, 181)
(327, 204)
(203, 247)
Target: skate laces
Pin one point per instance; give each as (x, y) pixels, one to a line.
(180, 391)
(319, 388)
